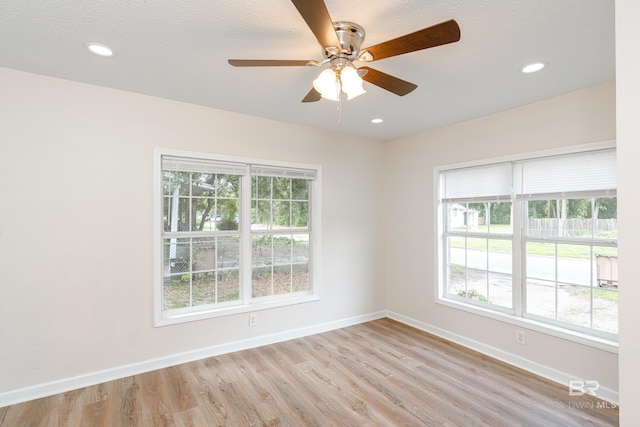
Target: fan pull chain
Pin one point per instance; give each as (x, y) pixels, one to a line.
(339, 96)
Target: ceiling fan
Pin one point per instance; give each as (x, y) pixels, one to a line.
(341, 43)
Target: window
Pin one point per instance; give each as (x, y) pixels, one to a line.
(235, 235)
(533, 238)
(280, 231)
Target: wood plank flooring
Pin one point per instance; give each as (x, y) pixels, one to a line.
(380, 373)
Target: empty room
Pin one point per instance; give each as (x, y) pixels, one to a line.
(319, 212)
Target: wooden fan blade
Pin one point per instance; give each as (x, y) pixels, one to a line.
(387, 81)
(267, 63)
(437, 35)
(312, 96)
(316, 15)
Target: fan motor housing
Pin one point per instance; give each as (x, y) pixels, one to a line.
(350, 35)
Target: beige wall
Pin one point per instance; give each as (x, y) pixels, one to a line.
(581, 117)
(628, 130)
(76, 232)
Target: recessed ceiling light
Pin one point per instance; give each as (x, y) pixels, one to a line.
(533, 67)
(99, 49)
(376, 121)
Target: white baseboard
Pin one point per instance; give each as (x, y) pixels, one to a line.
(563, 378)
(60, 386)
(67, 384)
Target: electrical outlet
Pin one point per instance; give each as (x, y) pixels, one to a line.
(253, 319)
(520, 337)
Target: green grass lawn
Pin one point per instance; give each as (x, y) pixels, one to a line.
(533, 248)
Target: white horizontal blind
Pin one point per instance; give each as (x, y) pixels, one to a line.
(586, 174)
(478, 183)
(186, 164)
(283, 172)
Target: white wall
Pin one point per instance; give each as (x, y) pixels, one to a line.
(628, 129)
(76, 232)
(577, 118)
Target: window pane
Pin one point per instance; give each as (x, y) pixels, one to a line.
(606, 215)
(166, 213)
(175, 183)
(261, 187)
(456, 279)
(204, 253)
(176, 291)
(574, 264)
(477, 253)
(541, 280)
(477, 279)
(500, 273)
(605, 310)
(300, 189)
(282, 188)
(489, 217)
(500, 290)
(606, 266)
(459, 216)
(227, 214)
(541, 260)
(261, 282)
(300, 277)
(262, 251)
(499, 218)
(228, 186)
(605, 294)
(541, 298)
(261, 215)
(456, 266)
(543, 218)
(228, 252)
(203, 184)
(204, 288)
(176, 255)
(300, 251)
(282, 213)
(574, 304)
(228, 285)
(176, 211)
(282, 247)
(577, 217)
(201, 210)
(300, 214)
(281, 279)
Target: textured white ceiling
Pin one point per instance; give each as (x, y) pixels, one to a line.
(179, 50)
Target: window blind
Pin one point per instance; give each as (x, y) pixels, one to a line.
(186, 164)
(282, 172)
(586, 174)
(478, 183)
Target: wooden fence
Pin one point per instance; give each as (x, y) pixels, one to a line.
(572, 227)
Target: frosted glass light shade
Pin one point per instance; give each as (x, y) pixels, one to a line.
(327, 85)
(351, 82)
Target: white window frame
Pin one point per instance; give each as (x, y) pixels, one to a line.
(514, 316)
(246, 303)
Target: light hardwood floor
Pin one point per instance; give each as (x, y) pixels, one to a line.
(380, 373)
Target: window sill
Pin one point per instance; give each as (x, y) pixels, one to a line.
(610, 346)
(258, 304)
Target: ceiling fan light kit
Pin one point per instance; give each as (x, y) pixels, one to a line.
(338, 79)
(341, 41)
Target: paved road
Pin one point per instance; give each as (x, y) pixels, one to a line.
(570, 270)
